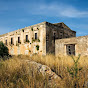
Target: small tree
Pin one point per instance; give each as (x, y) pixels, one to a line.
(3, 50)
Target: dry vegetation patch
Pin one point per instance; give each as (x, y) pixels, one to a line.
(14, 72)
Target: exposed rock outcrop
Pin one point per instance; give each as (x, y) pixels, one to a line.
(53, 79)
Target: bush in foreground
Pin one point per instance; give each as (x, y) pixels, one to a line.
(3, 50)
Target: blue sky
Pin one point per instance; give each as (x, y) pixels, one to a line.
(16, 14)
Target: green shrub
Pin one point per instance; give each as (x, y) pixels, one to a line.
(3, 50)
(38, 40)
(37, 47)
(23, 30)
(38, 28)
(35, 40)
(32, 28)
(29, 50)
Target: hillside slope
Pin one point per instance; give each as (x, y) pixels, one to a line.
(42, 72)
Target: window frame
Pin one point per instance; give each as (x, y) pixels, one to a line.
(6, 41)
(19, 39)
(26, 38)
(36, 36)
(11, 40)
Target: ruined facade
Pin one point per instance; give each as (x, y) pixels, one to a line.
(72, 46)
(39, 38)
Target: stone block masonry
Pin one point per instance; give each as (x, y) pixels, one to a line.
(72, 46)
(36, 39)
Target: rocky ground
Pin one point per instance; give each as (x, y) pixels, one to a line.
(53, 79)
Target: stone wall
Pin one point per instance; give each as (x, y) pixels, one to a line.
(46, 33)
(81, 45)
(56, 31)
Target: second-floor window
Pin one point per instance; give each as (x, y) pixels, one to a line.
(35, 35)
(6, 42)
(11, 40)
(61, 35)
(18, 39)
(26, 38)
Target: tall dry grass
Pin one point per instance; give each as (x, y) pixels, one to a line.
(14, 72)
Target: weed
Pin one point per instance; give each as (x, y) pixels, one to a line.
(73, 71)
(15, 73)
(37, 47)
(23, 30)
(32, 28)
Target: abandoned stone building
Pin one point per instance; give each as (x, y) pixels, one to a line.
(74, 46)
(44, 38)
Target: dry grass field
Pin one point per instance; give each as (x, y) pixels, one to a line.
(14, 72)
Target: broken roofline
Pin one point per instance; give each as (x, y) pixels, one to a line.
(37, 25)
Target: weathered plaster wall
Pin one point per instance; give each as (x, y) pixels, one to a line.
(81, 45)
(46, 35)
(24, 47)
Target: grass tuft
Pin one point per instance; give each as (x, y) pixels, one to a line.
(15, 72)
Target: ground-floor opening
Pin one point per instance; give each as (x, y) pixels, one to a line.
(70, 49)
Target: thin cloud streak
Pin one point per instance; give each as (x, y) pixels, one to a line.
(45, 9)
(61, 10)
(20, 14)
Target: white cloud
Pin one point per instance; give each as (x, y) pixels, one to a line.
(72, 12)
(45, 9)
(59, 10)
